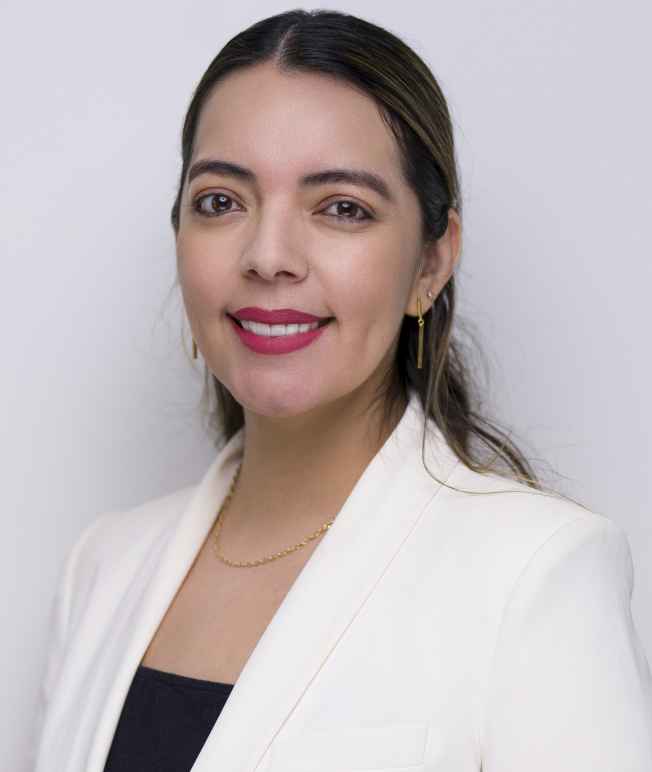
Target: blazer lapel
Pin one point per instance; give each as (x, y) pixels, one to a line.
(175, 561)
(351, 557)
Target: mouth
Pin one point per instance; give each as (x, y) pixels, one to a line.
(322, 323)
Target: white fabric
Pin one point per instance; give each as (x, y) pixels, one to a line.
(430, 630)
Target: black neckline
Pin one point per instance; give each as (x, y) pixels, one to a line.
(183, 680)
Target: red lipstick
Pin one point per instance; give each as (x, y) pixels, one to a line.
(280, 316)
(277, 343)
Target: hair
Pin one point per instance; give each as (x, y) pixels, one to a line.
(410, 101)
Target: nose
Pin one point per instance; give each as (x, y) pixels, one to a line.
(275, 246)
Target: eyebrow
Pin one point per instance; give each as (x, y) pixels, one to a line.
(358, 177)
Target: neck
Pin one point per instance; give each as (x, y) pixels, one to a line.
(297, 473)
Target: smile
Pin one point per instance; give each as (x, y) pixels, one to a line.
(277, 338)
(259, 328)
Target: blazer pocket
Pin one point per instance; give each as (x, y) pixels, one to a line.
(338, 749)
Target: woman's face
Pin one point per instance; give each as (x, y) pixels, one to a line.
(270, 242)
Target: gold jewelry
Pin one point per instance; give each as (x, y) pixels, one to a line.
(194, 349)
(421, 324)
(260, 561)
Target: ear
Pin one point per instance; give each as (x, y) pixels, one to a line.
(436, 264)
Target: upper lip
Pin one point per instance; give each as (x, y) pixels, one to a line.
(279, 316)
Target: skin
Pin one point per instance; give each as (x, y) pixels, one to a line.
(308, 428)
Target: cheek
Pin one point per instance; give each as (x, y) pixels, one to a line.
(202, 275)
(370, 308)
(370, 293)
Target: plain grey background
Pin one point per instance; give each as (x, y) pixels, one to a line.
(553, 123)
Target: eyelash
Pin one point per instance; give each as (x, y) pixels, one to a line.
(196, 207)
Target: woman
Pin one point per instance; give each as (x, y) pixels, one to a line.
(349, 586)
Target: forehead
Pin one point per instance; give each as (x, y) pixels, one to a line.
(281, 124)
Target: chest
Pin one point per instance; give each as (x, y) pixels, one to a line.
(371, 663)
(219, 614)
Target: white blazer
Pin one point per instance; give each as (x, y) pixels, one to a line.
(430, 631)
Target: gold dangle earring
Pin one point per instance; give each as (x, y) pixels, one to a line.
(194, 349)
(421, 324)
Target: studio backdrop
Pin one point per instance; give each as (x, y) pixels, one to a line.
(100, 397)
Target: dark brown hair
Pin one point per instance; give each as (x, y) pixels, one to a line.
(410, 101)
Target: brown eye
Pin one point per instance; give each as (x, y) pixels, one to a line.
(346, 207)
(215, 208)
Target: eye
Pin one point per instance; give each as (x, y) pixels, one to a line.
(212, 209)
(347, 207)
(222, 199)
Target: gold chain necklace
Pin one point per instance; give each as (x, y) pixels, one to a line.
(260, 561)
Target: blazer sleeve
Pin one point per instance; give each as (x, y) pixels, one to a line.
(57, 634)
(569, 688)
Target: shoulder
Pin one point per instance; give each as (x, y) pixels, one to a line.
(497, 518)
(109, 540)
(522, 515)
(562, 647)
(117, 534)
(506, 530)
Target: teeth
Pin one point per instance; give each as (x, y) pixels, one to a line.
(277, 329)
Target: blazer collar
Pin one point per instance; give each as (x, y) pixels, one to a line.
(382, 509)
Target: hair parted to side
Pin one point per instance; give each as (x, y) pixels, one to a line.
(411, 102)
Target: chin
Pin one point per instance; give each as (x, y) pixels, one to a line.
(285, 402)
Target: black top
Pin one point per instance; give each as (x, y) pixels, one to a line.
(165, 721)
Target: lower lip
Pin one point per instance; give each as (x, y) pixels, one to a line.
(277, 344)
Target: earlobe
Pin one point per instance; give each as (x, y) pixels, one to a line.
(423, 297)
